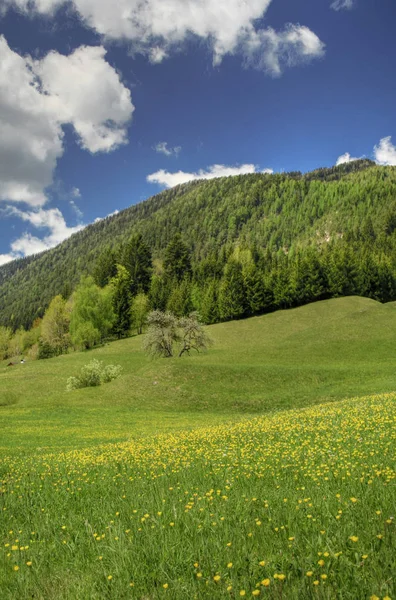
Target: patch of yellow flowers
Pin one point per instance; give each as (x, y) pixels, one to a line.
(280, 504)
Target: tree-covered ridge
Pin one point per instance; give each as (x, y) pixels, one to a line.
(352, 206)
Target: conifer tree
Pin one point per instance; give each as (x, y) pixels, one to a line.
(177, 261)
(232, 296)
(137, 259)
(121, 300)
(105, 267)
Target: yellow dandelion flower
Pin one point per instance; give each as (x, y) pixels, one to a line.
(242, 593)
(265, 582)
(216, 578)
(316, 582)
(262, 563)
(324, 576)
(165, 586)
(29, 563)
(256, 593)
(109, 577)
(16, 568)
(353, 538)
(229, 565)
(309, 573)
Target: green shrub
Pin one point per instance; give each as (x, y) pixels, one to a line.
(93, 374)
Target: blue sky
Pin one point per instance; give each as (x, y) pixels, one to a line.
(104, 104)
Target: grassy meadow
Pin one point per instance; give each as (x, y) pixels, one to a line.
(264, 468)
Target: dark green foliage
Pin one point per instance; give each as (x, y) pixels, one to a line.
(105, 267)
(232, 294)
(135, 256)
(122, 301)
(328, 233)
(177, 261)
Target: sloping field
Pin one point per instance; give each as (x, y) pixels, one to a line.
(318, 353)
(299, 504)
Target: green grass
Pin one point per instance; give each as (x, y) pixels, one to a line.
(318, 353)
(210, 476)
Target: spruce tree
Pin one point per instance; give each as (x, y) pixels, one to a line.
(232, 295)
(137, 259)
(177, 261)
(121, 300)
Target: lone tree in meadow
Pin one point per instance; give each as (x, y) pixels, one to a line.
(165, 330)
(192, 334)
(162, 333)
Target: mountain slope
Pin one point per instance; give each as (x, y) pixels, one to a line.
(279, 212)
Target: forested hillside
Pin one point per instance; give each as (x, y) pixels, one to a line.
(338, 224)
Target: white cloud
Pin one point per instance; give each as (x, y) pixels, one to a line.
(115, 212)
(166, 179)
(273, 51)
(37, 98)
(6, 258)
(50, 220)
(162, 148)
(345, 158)
(385, 152)
(342, 5)
(156, 27)
(76, 193)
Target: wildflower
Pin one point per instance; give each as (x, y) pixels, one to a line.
(324, 576)
(316, 582)
(29, 563)
(16, 568)
(353, 500)
(309, 573)
(229, 588)
(229, 565)
(165, 586)
(265, 582)
(110, 577)
(321, 562)
(242, 593)
(353, 538)
(199, 575)
(256, 593)
(262, 563)
(216, 578)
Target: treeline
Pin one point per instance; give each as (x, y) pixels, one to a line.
(127, 284)
(276, 218)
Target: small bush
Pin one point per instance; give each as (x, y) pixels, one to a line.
(93, 374)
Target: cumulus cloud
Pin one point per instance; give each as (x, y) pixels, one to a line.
(342, 5)
(168, 180)
(385, 152)
(156, 27)
(273, 51)
(345, 158)
(38, 97)
(163, 148)
(51, 221)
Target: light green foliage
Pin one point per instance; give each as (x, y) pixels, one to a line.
(55, 325)
(139, 312)
(5, 336)
(92, 314)
(93, 374)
